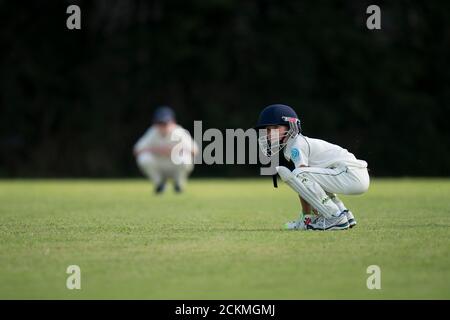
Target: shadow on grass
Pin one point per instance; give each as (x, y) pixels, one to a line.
(228, 229)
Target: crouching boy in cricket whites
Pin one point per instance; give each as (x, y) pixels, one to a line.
(155, 151)
(322, 170)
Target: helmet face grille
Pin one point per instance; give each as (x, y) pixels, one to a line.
(271, 145)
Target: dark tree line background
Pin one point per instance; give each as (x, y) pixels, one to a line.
(73, 103)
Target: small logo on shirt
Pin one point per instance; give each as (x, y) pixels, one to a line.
(295, 154)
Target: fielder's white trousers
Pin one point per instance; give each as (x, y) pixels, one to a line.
(159, 169)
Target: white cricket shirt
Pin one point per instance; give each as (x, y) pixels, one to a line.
(178, 137)
(304, 151)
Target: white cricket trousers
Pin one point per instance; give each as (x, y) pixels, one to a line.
(159, 169)
(341, 180)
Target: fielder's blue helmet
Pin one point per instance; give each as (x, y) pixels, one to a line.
(163, 114)
(275, 114)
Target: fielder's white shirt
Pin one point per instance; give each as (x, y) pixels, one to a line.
(179, 138)
(304, 151)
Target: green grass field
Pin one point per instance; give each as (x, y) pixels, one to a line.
(222, 239)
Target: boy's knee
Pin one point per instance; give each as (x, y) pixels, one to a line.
(365, 186)
(145, 160)
(363, 183)
(360, 187)
(184, 167)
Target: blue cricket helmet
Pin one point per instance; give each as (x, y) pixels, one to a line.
(163, 114)
(276, 114)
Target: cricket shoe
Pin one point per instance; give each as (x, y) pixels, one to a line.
(300, 224)
(177, 188)
(160, 188)
(351, 219)
(328, 224)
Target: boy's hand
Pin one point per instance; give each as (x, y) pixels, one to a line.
(161, 151)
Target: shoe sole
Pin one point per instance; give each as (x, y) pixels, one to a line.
(293, 229)
(343, 226)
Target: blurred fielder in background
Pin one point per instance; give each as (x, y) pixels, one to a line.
(154, 155)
